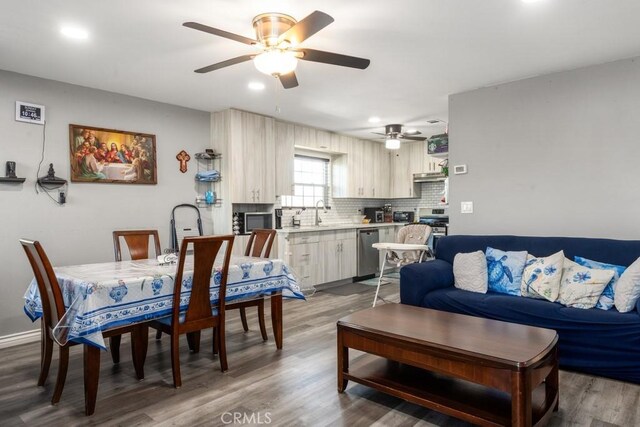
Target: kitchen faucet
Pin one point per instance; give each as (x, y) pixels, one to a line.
(318, 220)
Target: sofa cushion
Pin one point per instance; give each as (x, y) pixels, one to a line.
(628, 288)
(619, 252)
(602, 342)
(505, 270)
(541, 277)
(582, 286)
(606, 300)
(470, 272)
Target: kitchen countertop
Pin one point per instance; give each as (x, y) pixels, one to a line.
(332, 227)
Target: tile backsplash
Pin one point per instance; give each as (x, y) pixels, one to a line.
(343, 209)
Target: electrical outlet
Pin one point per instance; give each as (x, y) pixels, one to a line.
(466, 207)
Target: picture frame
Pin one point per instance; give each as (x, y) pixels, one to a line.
(30, 113)
(112, 156)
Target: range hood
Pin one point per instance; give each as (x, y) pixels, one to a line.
(428, 177)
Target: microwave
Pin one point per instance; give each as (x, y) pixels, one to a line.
(403, 216)
(246, 222)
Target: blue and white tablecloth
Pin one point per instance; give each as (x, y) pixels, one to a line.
(103, 296)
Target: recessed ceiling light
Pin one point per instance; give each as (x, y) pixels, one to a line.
(374, 119)
(74, 33)
(256, 85)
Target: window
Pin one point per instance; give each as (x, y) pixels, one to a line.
(310, 182)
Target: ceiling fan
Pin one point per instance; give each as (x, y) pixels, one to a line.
(278, 37)
(393, 134)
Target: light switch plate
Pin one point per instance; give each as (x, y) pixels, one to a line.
(460, 169)
(466, 207)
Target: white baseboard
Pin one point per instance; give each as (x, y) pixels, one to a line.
(19, 338)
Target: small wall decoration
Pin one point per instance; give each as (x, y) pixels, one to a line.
(112, 156)
(183, 157)
(29, 113)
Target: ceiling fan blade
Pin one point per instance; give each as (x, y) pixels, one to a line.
(412, 133)
(378, 133)
(307, 27)
(412, 138)
(221, 33)
(288, 80)
(334, 58)
(226, 63)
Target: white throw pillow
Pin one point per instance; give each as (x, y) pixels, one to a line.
(628, 288)
(582, 286)
(541, 277)
(470, 272)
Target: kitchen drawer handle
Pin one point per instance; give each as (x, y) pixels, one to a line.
(305, 254)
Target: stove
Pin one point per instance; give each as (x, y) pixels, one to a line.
(438, 219)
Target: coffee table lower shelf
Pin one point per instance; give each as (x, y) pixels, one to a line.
(461, 399)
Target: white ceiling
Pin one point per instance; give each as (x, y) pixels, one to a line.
(421, 51)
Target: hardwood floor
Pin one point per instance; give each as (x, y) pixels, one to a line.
(292, 387)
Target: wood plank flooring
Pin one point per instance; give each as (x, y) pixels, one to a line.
(292, 387)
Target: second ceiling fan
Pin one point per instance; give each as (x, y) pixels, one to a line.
(278, 37)
(393, 134)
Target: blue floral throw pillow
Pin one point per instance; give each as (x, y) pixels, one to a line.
(605, 302)
(505, 270)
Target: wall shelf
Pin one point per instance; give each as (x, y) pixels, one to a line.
(12, 180)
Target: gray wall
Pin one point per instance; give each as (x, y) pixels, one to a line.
(554, 155)
(80, 231)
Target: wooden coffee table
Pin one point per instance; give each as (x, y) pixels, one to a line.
(483, 371)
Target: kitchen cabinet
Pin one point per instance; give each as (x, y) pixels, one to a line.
(363, 172)
(431, 164)
(285, 154)
(300, 252)
(402, 170)
(337, 259)
(305, 137)
(248, 141)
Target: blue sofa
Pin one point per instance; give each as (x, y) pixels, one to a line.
(599, 342)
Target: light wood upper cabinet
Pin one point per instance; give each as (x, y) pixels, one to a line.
(404, 161)
(285, 154)
(305, 137)
(248, 141)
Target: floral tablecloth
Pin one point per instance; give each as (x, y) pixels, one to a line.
(103, 296)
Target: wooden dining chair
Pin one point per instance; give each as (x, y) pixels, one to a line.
(52, 311)
(137, 242)
(200, 313)
(259, 246)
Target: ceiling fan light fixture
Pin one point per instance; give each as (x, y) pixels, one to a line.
(392, 144)
(276, 62)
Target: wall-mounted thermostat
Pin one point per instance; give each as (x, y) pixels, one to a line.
(460, 169)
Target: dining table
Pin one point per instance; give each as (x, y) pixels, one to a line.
(108, 296)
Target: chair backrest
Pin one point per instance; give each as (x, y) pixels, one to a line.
(260, 243)
(50, 293)
(205, 250)
(417, 234)
(138, 243)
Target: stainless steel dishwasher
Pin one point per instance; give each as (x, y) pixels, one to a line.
(367, 255)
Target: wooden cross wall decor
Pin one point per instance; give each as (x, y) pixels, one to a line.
(183, 157)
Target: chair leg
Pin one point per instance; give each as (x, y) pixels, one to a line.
(215, 340)
(114, 346)
(384, 262)
(158, 334)
(193, 339)
(63, 364)
(222, 348)
(243, 318)
(263, 326)
(175, 360)
(46, 348)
